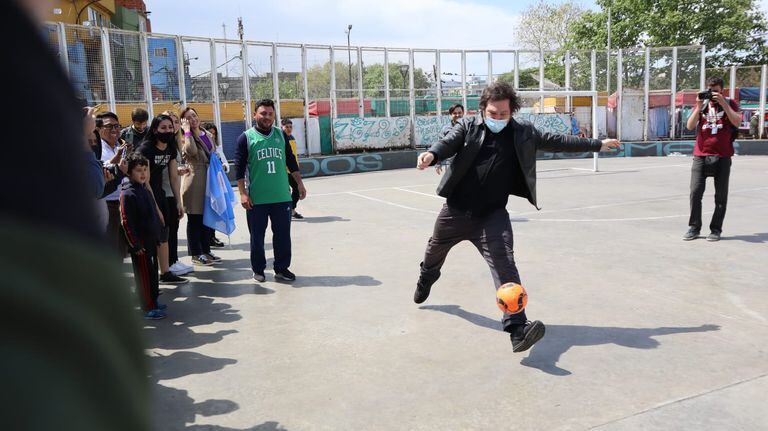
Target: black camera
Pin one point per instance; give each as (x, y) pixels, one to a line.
(705, 95)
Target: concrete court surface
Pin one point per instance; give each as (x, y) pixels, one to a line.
(644, 331)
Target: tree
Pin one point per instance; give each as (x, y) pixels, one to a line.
(373, 78)
(544, 25)
(731, 30)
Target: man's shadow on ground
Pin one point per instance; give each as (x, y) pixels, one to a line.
(757, 238)
(560, 338)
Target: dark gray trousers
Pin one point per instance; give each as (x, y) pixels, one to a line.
(491, 234)
(720, 169)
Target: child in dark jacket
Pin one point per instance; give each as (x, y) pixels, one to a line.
(142, 225)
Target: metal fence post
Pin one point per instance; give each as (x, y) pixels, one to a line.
(63, 53)
(703, 77)
(438, 85)
(673, 101)
(334, 108)
(387, 109)
(246, 86)
(517, 70)
(763, 83)
(181, 65)
(646, 92)
(305, 80)
(489, 79)
(619, 90)
(215, 89)
(593, 71)
(412, 97)
(361, 95)
(146, 74)
(109, 82)
(541, 80)
(276, 85)
(733, 82)
(464, 78)
(568, 80)
(595, 133)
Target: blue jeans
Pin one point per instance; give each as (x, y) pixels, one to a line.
(279, 214)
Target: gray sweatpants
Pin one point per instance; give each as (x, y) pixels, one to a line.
(491, 234)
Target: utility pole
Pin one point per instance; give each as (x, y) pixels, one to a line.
(349, 55)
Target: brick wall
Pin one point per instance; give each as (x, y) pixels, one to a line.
(137, 5)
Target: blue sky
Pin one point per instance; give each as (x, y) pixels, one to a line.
(445, 24)
(392, 23)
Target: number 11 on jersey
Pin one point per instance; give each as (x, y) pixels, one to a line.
(271, 167)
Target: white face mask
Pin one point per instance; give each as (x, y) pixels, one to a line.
(496, 126)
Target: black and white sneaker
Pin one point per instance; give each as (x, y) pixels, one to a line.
(171, 278)
(713, 236)
(525, 336)
(202, 260)
(215, 242)
(285, 274)
(213, 258)
(259, 276)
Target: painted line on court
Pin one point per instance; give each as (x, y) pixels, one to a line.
(642, 201)
(369, 190)
(431, 195)
(391, 203)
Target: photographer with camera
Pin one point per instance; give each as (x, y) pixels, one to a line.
(717, 118)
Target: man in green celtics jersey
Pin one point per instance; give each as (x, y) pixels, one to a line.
(263, 154)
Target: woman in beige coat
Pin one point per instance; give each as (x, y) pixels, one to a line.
(197, 148)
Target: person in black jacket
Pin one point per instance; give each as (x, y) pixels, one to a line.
(495, 156)
(142, 224)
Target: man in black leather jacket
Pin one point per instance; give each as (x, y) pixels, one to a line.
(495, 156)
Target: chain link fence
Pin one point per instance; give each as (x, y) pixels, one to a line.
(643, 93)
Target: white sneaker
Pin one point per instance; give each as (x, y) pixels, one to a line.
(179, 268)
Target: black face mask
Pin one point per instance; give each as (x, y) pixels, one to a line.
(167, 138)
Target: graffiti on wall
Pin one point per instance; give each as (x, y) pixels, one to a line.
(548, 123)
(347, 164)
(427, 129)
(367, 133)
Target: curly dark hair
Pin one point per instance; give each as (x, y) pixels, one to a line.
(499, 91)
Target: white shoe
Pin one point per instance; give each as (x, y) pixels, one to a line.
(179, 269)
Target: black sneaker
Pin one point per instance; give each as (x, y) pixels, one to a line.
(215, 242)
(259, 276)
(525, 336)
(297, 216)
(285, 275)
(713, 236)
(423, 286)
(692, 233)
(171, 278)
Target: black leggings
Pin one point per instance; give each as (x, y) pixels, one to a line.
(198, 235)
(172, 221)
